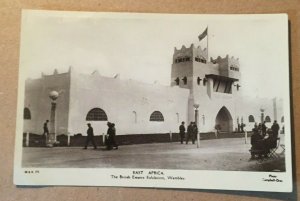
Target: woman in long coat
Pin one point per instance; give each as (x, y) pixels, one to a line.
(111, 132)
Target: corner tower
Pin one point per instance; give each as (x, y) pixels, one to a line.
(182, 73)
(213, 84)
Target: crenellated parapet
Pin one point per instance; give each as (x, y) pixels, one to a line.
(234, 64)
(230, 63)
(186, 54)
(200, 53)
(228, 66)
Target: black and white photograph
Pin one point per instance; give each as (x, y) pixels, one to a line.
(154, 100)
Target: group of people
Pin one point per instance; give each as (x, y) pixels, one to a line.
(192, 131)
(264, 139)
(110, 140)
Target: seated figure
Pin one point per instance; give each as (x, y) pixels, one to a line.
(259, 145)
(271, 140)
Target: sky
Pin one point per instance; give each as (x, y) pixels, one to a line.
(141, 46)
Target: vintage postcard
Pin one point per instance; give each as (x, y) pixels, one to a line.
(154, 100)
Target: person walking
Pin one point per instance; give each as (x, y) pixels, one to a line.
(113, 137)
(182, 132)
(45, 127)
(195, 132)
(189, 132)
(275, 129)
(108, 138)
(90, 137)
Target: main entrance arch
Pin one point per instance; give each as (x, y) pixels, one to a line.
(224, 120)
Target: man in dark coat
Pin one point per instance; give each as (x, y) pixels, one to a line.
(108, 138)
(45, 127)
(113, 136)
(90, 137)
(189, 132)
(182, 132)
(195, 132)
(275, 129)
(111, 140)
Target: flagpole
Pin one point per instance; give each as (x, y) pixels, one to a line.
(207, 45)
(202, 36)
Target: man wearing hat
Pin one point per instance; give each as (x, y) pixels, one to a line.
(182, 132)
(275, 129)
(45, 127)
(111, 140)
(113, 136)
(90, 137)
(189, 133)
(194, 132)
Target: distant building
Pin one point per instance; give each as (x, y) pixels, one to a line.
(140, 108)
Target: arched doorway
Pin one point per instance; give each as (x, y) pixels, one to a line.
(224, 120)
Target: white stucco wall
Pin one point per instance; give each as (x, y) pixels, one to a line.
(120, 99)
(252, 106)
(38, 102)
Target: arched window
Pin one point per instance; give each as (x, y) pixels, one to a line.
(156, 116)
(251, 118)
(282, 119)
(26, 113)
(96, 114)
(268, 119)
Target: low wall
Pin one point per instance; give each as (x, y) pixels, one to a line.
(79, 140)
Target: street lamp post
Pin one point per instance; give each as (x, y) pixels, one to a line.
(51, 140)
(196, 106)
(262, 115)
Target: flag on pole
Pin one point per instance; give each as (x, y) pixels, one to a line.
(203, 35)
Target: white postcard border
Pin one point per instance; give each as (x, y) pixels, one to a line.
(193, 179)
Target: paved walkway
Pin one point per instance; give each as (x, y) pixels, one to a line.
(218, 154)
